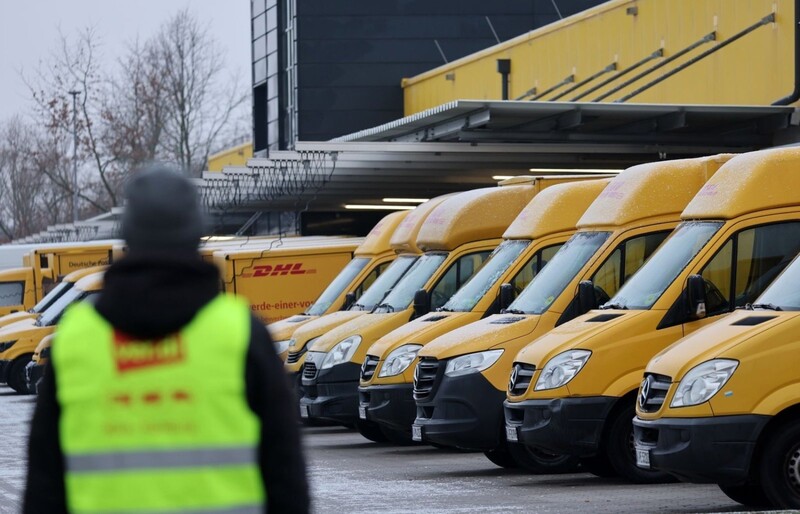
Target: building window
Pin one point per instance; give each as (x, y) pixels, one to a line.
(260, 71)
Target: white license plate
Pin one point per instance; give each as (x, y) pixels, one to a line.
(511, 434)
(643, 458)
(362, 412)
(416, 433)
(304, 411)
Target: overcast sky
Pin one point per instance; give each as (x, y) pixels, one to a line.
(29, 31)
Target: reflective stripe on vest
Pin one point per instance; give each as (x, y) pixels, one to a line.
(158, 426)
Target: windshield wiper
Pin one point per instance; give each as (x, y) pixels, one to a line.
(444, 309)
(616, 305)
(769, 306)
(360, 306)
(513, 311)
(388, 307)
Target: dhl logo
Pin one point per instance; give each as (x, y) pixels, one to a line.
(268, 270)
(132, 354)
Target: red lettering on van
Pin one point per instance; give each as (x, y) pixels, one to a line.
(295, 268)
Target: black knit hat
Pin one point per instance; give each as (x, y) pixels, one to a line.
(162, 213)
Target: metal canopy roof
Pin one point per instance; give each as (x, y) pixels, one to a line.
(675, 127)
(462, 144)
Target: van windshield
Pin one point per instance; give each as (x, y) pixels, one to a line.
(51, 297)
(339, 284)
(784, 292)
(384, 283)
(558, 273)
(403, 293)
(647, 285)
(52, 314)
(489, 273)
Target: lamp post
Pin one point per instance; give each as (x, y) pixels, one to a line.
(74, 94)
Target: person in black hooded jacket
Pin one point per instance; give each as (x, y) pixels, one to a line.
(154, 291)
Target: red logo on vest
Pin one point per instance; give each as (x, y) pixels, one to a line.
(132, 354)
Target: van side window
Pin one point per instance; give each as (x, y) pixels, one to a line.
(458, 273)
(11, 293)
(370, 278)
(533, 266)
(623, 262)
(747, 263)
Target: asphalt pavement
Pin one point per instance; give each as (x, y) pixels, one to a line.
(349, 474)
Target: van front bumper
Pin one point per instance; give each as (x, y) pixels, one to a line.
(571, 426)
(701, 450)
(462, 412)
(389, 405)
(332, 395)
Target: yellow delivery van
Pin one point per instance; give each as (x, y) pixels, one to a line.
(536, 234)
(404, 244)
(722, 405)
(370, 259)
(19, 340)
(280, 281)
(34, 371)
(458, 235)
(461, 378)
(578, 393)
(43, 268)
(65, 285)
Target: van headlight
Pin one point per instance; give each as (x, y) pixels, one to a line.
(342, 352)
(703, 381)
(282, 346)
(471, 363)
(561, 369)
(399, 360)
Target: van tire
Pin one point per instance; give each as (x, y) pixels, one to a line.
(619, 450)
(16, 374)
(779, 466)
(751, 494)
(371, 431)
(501, 456)
(541, 462)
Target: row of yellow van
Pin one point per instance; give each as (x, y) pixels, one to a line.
(280, 277)
(534, 321)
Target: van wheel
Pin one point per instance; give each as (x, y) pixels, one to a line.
(751, 495)
(620, 451)
(542, 462)
(16, 374)
(371, 431)
(780, 467)
(501, 456)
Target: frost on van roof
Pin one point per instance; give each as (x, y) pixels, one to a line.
(651, 190)
(474, 215)
(555, 209)
(404, 237)
(750, 182)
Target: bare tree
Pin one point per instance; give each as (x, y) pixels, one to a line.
(23, 209)
(200, 101)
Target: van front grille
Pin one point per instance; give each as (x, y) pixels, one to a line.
(368, 367)
(309, 370)
(653, 391)
(293, 357)
(521, 376)
(425, 375)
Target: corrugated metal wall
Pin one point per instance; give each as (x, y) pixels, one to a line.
(756, 69)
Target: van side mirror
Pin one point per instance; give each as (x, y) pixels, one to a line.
(696, 296)
(506, 296)
(422, 303)
(587, 300)
(349, 300)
